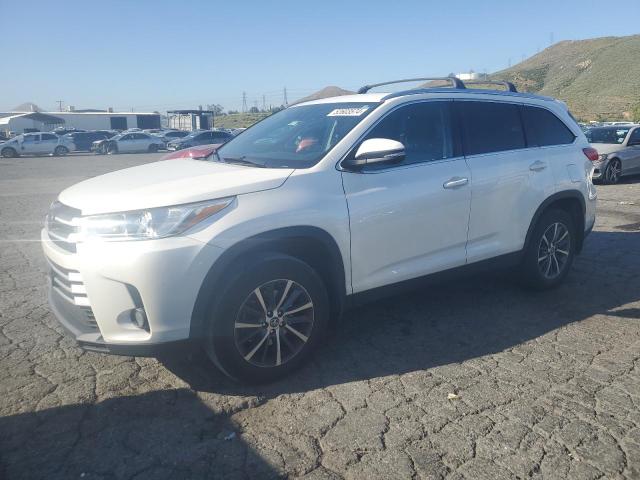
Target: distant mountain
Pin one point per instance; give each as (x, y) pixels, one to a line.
(597, 78)
(27, 107)
(326, 92)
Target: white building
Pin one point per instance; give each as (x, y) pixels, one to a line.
(471, 75)
(28, 122)
(19, 122)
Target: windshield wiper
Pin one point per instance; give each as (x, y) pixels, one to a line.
(242, 161)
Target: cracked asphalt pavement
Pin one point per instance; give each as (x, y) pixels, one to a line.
(473, 378)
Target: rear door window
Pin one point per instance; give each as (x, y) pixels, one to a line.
(544, 129)
(490, 127)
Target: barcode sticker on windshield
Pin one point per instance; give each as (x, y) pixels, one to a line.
(348, 112)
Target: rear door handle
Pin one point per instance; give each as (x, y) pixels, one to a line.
(455, 182)
(537, 166)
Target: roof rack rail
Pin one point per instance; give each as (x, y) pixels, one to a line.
(455, 82)
(508, 85)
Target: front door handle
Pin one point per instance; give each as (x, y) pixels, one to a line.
(537, 166)
(455, 182)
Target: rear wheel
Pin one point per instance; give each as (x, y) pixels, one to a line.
(9, 152)
(60, 151)
(269, 320)
(613, 172)
(550, 252)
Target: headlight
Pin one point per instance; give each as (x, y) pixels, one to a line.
(602, 157)
(148, 224)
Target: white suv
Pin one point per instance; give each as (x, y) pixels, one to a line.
(251, 253)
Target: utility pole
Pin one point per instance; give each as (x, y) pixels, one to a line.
(551, 39)
(264, 104)
(285, 100)
(244, 102)
(509, 62)
(59, 102)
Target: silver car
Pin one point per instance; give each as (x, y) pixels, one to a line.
(128, 142)
(619, 149)
(37, 143)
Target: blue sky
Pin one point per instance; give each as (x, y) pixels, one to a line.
(158, 55)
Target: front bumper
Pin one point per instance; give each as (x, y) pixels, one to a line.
(599, 169)
(79, 327)
(94, 291)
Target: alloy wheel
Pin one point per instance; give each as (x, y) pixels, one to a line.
(274, 323)
(614, 170)
(553, 250)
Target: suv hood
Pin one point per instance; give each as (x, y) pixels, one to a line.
(171, 182)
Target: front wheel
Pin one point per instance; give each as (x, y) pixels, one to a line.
(111, 148)
(268, 320)
(613, 172)
(153, 148)
(9, 152)
(60, 151)
(549, 254)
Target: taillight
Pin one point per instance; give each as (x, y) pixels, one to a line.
(591, 154)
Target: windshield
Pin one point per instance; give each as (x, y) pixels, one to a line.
(607, 135)
(297, 137)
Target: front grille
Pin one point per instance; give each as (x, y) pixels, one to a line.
(68, 285)
(62, 225)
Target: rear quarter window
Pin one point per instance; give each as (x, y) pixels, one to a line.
(544, 129)
(490, 127)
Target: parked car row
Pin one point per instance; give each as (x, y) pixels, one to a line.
(64, 141)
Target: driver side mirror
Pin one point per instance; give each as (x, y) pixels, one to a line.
(376, 151)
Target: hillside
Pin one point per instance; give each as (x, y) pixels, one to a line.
(597, 78)
(27, 107)
(326, 92)
(238, 120)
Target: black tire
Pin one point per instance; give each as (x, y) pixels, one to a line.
(227, 346)
(111, 148)
(60, 151)
(153, 148)
(9, 152)
(613, 172)
(543, 272)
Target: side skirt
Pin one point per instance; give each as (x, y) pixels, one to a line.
(503, 262)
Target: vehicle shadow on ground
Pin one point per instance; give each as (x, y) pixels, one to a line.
(451, 322)
(173, 434)
(166, 434)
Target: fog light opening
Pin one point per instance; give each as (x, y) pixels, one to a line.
(139, 318)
